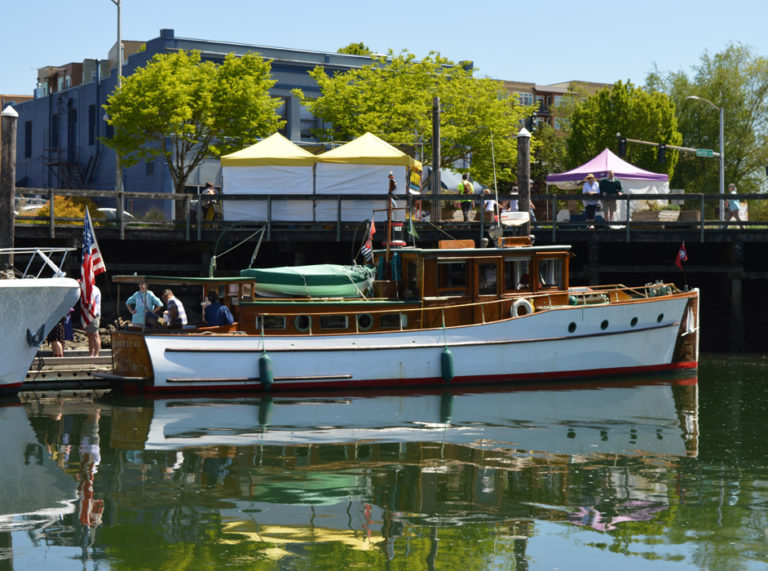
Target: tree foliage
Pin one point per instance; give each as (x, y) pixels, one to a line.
(736, 80)
(393, 99)
(633, 112)
(184, 110)
(356, 49)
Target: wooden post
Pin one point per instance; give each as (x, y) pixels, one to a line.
(7, 181)
(435, 184)
(524, 175)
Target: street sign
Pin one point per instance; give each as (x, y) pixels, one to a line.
(705, 153)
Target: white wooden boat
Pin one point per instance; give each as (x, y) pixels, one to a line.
(451, 315)
(30, 306)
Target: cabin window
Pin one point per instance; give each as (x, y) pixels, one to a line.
(246, 292)
(452, 277)
(488, 279)
(394, 321)
(551, 272)
(334, 322)
(271, 322)
(516, 272)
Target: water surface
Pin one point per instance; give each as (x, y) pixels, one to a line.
(643, 473)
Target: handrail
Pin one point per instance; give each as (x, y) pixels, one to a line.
(705, 204)
(633, 292)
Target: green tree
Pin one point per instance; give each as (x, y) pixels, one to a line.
(392, 98)
(184, 110)
(356, 49)
(736, 80)
(631, 111)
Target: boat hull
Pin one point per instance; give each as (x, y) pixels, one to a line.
(30, 308)
(654, 334)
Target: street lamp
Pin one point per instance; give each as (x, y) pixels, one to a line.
(118, 168)
(722, 150)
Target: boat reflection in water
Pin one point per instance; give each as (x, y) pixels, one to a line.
(35, 491)
(387, 475)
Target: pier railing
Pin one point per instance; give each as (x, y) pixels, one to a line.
(555, 212)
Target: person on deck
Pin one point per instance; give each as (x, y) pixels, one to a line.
(141, 304)
(216, 313)
(733, 209)
(465, 187)
(610, 189)
(490, 207)
(175, 316)
(590, 191)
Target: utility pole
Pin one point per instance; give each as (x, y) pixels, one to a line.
(436, 160)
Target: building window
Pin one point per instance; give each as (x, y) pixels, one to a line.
(27, 139)
(92, 123)
(308, 123)
(150, 168)
(525, 98)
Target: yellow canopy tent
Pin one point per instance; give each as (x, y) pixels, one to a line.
(362, 166)
(274, 166)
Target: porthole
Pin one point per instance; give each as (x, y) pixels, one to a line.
(302, 323)
(364, 321)
(659, 318)
(633, 322)
(571, 327)
(604, 325)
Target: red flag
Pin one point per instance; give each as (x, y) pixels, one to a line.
(93, 265)
(682, 256)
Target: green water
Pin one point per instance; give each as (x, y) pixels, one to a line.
(645, 473)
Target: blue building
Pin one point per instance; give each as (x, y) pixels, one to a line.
(58, 131)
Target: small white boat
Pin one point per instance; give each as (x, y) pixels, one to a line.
(450, 315)
(30, 306)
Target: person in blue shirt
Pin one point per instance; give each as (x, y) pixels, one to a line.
(217, 313)
(141, 304)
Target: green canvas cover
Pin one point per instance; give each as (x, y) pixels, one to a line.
(319, 280)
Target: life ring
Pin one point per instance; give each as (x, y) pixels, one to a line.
(521, 307)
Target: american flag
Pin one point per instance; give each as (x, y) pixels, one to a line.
(367, 249)
(93, 265)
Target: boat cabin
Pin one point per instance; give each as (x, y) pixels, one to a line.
(414, 288)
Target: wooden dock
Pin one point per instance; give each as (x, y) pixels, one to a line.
(74, 371)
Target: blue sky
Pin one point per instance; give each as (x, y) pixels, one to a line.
(537, 41)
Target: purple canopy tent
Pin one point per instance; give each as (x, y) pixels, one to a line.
(599, 166)
(633, 179)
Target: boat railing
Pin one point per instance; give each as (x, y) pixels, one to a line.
(38, 260)
(497, 309)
